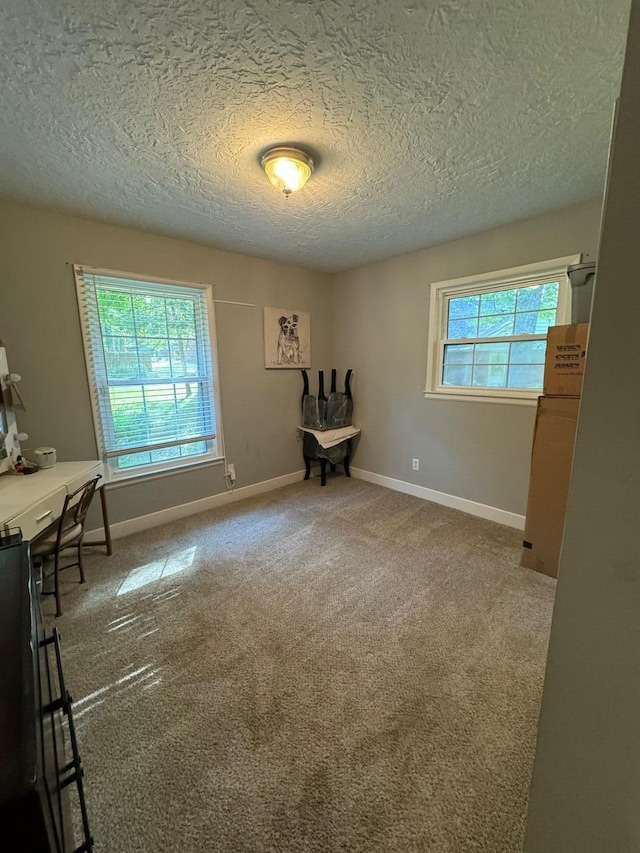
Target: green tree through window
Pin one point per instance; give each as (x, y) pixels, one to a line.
(152, 366)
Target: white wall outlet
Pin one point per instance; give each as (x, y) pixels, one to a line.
(231, 472)
(416, 464)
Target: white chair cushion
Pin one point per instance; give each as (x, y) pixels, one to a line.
(46, 544)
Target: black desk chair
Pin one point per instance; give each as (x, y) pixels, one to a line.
(325, 414)
(67, 533)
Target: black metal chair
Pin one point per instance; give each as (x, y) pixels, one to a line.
(322, 413)
(67, 533)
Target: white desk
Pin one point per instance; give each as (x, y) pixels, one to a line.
(34, 501)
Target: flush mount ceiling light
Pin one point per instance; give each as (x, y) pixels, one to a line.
(288, 169)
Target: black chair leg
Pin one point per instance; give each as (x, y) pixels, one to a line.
(346, 466)
(80, 562)
(307, 465)
(56, 582)
(323, 472)
(333, 466)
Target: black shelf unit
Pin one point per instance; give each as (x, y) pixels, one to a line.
(40, 765)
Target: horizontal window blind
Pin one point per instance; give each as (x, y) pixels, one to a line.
(150, 364)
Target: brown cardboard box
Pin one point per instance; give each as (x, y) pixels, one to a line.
(551, 460)
(565, 360)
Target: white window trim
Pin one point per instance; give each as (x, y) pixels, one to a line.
(486, 282)
(155, 470)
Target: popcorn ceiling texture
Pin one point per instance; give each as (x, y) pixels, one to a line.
(430, 119)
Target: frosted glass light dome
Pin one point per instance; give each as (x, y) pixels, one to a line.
(288, 169)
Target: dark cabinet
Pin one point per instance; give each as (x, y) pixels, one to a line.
(40, 764)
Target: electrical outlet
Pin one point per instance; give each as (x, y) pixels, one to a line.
(416, 464)
(231, 472)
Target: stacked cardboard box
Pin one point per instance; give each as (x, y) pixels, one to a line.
(553, 441)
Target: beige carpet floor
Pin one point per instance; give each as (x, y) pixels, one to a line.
(337, 669)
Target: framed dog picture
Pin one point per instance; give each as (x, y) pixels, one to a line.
(287, 338)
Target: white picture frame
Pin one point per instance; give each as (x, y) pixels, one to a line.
(287, 338)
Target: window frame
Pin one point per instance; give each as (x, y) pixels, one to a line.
(113, 474)
(505, 279)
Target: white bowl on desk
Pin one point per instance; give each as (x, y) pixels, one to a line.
(45, 457)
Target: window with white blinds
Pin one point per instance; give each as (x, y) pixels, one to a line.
(150, 353)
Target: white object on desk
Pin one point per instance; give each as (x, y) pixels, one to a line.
(45, 456)
(34, 501)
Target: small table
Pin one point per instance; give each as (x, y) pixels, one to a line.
(319, 444)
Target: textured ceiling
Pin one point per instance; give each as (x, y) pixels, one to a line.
(431, 119)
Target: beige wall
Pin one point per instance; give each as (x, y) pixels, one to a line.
(373, 319)
(478, 451)
(39, 324)
(586, 785)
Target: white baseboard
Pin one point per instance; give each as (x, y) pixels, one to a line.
(492, 513)
(173, 513)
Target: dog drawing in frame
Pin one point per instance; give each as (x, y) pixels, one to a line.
(288, 341)
(287, 338)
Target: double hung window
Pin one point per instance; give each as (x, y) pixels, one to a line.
(151, 361)
(487, 334)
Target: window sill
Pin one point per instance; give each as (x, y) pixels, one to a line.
(482, 398)
(115, 481)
